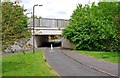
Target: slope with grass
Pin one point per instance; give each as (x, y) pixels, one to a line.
(107, 56)
(26, 65)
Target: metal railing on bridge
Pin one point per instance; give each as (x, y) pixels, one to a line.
(49, 23)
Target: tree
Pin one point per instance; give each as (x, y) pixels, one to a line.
(14, 25)
(0, 29)
(6, 0)
(92, 27)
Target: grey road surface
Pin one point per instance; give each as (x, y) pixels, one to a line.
(65, 66)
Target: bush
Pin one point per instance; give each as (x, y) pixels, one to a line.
(93, 28)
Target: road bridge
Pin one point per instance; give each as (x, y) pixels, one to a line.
(45, 27)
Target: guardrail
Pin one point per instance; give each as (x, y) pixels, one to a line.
(48, 22)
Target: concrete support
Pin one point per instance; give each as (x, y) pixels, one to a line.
(41, 39)
(31, 42)
(67, 44)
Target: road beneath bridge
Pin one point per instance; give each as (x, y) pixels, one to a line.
(69, 63)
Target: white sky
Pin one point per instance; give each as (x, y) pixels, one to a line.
(61, 9)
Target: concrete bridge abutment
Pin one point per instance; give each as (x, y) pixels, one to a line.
(47, 26)
(41, 40)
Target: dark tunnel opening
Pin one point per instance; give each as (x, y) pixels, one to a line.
(55, 40)
(54, 44)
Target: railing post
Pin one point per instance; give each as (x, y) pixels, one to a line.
(57, 22)
(39, 21)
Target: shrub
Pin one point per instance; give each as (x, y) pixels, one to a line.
(92, 27)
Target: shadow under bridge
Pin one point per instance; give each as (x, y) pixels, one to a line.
(47, 40)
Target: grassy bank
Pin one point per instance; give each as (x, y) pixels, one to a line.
(26, 65)
(107, 56)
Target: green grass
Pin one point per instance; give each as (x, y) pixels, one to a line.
(51, 40)
(26, 65)
(107, 56)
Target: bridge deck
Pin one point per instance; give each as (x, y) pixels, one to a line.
(47, 26)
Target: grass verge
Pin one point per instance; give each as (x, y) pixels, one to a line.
(107, 56)
(51, 40)
(26, 65)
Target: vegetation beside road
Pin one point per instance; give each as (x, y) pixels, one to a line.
(26, 65)
(14, 26)
(51, 41)
(93, 28)
(107, 56)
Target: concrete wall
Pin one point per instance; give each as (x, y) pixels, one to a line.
(31, 42)
(67, 44)
(41, 39)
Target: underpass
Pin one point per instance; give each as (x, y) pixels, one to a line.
(45, 27)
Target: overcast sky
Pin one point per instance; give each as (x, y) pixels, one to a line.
(61, 9)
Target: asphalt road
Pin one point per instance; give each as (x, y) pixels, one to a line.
(65, 66)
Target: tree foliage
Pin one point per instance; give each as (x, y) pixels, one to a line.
(92, 27)
(14, 24)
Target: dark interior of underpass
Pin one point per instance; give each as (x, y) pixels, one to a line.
(47, 41)
(54, 44)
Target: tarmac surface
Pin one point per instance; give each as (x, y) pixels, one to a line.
(69, 63)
